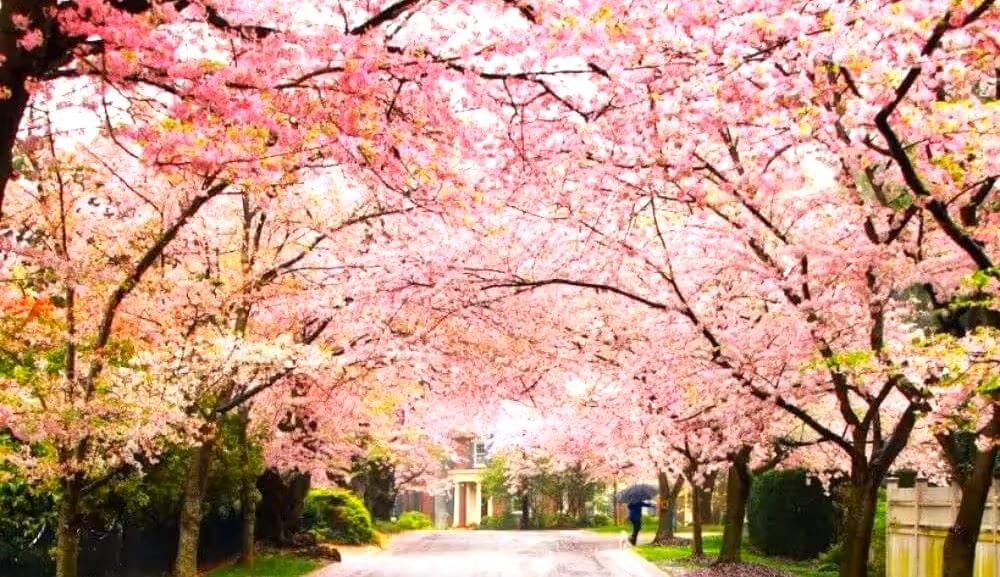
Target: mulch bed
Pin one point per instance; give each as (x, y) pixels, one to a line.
(737, 570)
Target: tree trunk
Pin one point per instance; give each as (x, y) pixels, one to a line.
(706, 499)
(614, 503)
(697, 544)
(248, 493)
(248, 504)
(189, 530)
(282, 500)
(13, 82)
(859, 521)
(525, 509)
(67, 535)
(666, 509)
(738, 482)
(960, 544)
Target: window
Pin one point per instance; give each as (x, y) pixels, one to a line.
(478, 455)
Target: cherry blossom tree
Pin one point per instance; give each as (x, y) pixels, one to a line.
(905, 115)
(686, 214)
(83, 241)
(796, 311)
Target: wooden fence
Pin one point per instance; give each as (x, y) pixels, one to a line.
(918, 522)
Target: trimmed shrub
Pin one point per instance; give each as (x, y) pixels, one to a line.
(789, 516)
(412, 520)
(338, 515)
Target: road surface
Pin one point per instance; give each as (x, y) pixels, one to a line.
(497, 554)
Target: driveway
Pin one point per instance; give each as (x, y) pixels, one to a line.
(497, 554)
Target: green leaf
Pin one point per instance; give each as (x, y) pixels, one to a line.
(901, 201)
(980, 279)
(990, 386)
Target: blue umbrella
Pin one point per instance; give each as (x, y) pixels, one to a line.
(637, 493)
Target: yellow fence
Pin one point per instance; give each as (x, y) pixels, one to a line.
(918, 522)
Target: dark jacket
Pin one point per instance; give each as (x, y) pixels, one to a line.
(635, 510)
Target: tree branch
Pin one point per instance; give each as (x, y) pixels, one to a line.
(147, 260)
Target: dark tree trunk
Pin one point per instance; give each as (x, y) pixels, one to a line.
(10, 119)
(14, 73)
(248, 493)
(282, 500)
(667, 508)
(248, 503)
(707, 490)
(697, 543)
(738, 483)
(189, 529)
(859, 521)
(525, 510)
(374, 480)
(67, 530)
(960, 544)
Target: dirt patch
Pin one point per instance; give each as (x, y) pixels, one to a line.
(672, 542)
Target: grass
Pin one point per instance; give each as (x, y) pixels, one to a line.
(276, 565)
(677, 556)
(648, 524)
(387, 527)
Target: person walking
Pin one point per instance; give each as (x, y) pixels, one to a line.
(635, 517)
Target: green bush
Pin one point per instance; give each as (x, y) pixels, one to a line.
(338, 515)
(600, 520)
(408, 521)
(412, 520)
(386, 527)
(789, 516)
(505, 522)
(546, 520)
(27, 514)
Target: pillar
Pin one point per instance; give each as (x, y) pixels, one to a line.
(477, 516)
(455, 503)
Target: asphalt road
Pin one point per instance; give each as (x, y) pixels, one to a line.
(497, 554)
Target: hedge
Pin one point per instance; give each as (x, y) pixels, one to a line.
(790, 516)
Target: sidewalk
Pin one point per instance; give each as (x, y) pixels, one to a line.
(628, 563)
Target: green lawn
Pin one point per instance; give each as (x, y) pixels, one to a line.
(648, 524)
(280, 565)
(677, 556)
